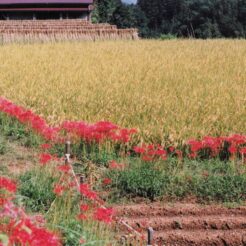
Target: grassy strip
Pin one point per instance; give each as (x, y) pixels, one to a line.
(208, 181)
(13, 130)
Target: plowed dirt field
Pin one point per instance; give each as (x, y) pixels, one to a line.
(188, 224)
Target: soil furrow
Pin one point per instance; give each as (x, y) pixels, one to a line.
(201, 238)
(177, 210)
(189, 222)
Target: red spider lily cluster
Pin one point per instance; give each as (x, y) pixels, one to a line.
(234, 145)
(97, 132)
(94, 206)
(29, 118)
(151, 152)
(17, 226)
(207, 147)
(102, 131)
(7, 184)
(114, 165)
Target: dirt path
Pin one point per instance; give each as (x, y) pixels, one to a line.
(188, 224)
(17, 159)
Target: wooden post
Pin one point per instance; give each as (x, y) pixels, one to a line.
(67, 151)
(150, 232)
(82, 179)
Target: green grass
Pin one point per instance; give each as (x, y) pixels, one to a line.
(208, 181)
(12, 130)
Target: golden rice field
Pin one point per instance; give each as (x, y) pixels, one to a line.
(177, 89)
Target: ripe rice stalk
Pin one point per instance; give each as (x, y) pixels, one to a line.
(170, 90)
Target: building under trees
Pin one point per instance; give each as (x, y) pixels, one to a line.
(45, 9)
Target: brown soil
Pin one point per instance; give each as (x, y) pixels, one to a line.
(17, 159)
(188, 224)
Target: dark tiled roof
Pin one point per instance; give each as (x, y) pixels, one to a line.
(43, 1)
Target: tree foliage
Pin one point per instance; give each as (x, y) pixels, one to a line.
(183, 18)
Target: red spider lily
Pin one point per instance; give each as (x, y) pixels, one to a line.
(72, 184)
(151, 147)
(82, 217)
(146, 158)
(107, 181)
(45, 146)
(161, 152)
(84, 207)
(195, 145)
(114, 165)
(7, 184)
(64, 168)
(232, 149)
(58, 189)
(45, 158)
(171, 149)
(151, 152)
(192, 155)
(139, 150)
(29, 118)
(104, 215)
(97, 132)
(87, 192)
(24, 232)
(243, 151)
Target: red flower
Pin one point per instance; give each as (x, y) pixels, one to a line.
(243, 151)
(58, 189)
(115, 165)
(7, 184)
(139, 150)
(171, 149)
(24, 232)
(45, 146)
(104, 215)
(107, 181)
(232, 149)
(147, 158)
(87, 192)
(161, 152)
(192, 155)
(64, 168)
(82, 217)
(84, 207)
(45, 158)
(195, 145)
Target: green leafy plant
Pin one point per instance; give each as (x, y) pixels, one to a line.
(141, 180)
(36, 189)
